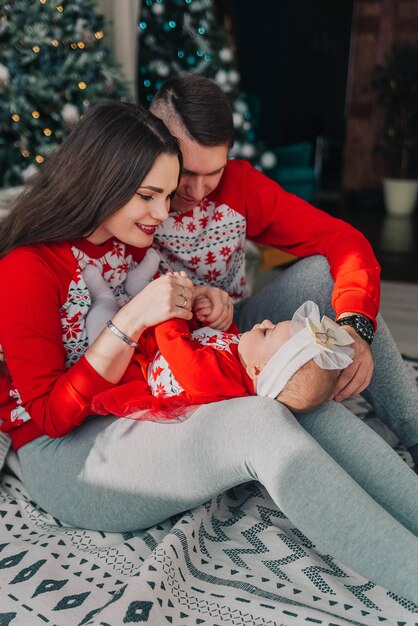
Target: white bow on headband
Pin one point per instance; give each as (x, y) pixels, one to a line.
(311, 338)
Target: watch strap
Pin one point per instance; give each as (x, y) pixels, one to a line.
(361, 324)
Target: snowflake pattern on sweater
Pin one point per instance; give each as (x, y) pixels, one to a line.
(207, 242)
(160, 378)
(113, 266)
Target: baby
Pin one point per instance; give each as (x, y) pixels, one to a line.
(180, 364)
(296, 362)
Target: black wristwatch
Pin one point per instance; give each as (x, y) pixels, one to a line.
(361, 324)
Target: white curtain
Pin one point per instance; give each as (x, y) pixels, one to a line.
(122, 17)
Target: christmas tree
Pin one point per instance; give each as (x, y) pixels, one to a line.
(178, 36)
(53, 65)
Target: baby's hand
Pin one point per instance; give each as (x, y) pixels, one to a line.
(221, 311)
(202, 307)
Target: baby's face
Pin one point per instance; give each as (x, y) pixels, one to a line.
(258, 345)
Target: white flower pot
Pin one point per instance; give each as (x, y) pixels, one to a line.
(400, 196)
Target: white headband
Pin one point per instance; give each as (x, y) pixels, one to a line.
(311, 338)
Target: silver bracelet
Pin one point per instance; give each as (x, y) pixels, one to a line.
(121, 335)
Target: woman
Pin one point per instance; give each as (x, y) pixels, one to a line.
(99, 199)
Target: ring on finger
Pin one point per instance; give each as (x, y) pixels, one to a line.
(184, 303)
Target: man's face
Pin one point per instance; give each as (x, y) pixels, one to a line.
(203, 167)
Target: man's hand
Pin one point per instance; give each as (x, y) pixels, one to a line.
(356, 376)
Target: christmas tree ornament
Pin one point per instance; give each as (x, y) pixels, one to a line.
(157, 9)
(268, 160)
(22, 144)
(70, 114)
(3, 25)
(247, 150)
(226, 56)
(238, 119)
(28, 172)
(221, 78)
(4, 77)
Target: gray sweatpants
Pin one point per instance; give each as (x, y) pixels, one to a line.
(350, 493)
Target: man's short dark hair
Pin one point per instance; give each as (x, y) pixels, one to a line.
(200, 106)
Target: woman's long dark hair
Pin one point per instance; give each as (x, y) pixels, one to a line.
(95, 171)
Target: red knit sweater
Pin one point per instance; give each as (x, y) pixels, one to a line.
(208, 242)
(42, 331)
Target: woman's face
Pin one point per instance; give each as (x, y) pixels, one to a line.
(135, 223)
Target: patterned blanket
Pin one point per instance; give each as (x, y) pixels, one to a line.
(233, 561)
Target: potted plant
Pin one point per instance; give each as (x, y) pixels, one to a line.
(396, 86)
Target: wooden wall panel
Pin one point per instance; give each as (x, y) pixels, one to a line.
(377, 26)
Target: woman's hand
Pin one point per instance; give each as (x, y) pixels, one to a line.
(165, 297)
(213, 307)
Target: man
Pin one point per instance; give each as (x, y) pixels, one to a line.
(220, 203)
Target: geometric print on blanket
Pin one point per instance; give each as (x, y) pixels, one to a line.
(233, 561)
(236, 560)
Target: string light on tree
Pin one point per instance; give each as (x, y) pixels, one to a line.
(55, 58)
